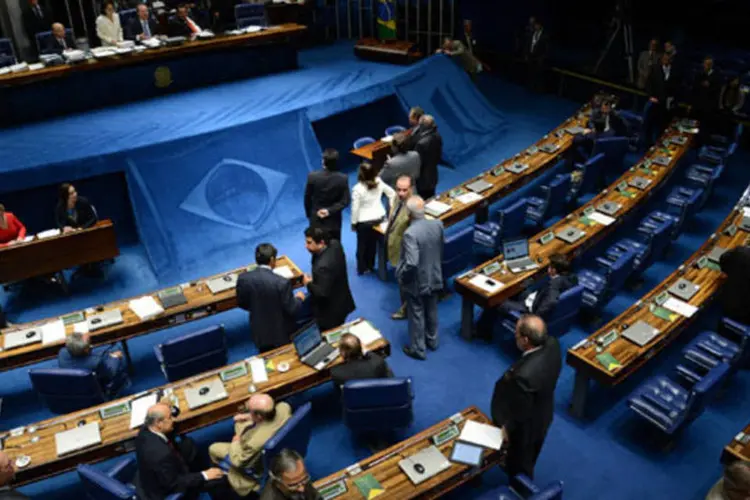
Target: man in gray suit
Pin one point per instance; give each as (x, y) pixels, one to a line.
(420, 276)
(403, 162)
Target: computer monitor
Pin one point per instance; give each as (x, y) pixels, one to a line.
(516, 249)
(307, 340)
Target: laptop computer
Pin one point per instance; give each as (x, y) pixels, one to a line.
(77, 438)
(209, 391)
(641, 333)
(479, 186)
(104, 319)
(516, 255)
(312, 350)
(570, 234)
(424, 465)
(609, 207)
(517, 168)
(683, 289)
(639, 182)
(549, 148)
(22, 338)
(661, 160)
(222, 283)
(715, 254)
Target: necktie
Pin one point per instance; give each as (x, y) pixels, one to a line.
(38, 11)
(666, 72)
(62, 42)
(192, 25)
(146, 30)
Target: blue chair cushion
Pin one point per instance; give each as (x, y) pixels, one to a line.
(662, 401)
(394, 129)
(363, 141)
(592, 281)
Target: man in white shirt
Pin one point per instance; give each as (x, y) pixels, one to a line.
(142, 27)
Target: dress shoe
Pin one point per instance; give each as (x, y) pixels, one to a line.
(432, 347)
(413, 354)
(398, 315)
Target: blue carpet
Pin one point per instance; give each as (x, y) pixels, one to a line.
(606, 455)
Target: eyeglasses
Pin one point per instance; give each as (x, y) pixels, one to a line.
(297, 485)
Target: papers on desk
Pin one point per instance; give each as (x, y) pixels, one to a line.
(487, 436)
(436, 208)
(138, 409)
(48, 233)
(258, 370)
(387, 139)
(36, 66)
(19, 68)
(151, 43)
(680, 307)
(4, 71)
(77, 438)
(146, 307)
(205, 34)
(53, 332)
(746, 211)
(469, 197)
(284, 272)
(28, 238)
(102, 52)
(365, 332)
(486, 283)
(82, 327)
(602, 219)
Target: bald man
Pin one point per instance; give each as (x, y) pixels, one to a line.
(60, 41)
(357, 364)
(166, 466)
(7, 473)
(523, 402)
(258, 423)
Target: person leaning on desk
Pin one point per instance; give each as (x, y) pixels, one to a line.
(7, 473)
(12, 230)
(73, 211)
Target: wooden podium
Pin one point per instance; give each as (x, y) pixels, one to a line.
(390, 51)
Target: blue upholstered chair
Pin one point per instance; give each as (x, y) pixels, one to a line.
(294, 435)
(362, 142)
(704, 177)
(7, 53)
(739, 334)
(457, 251)
(638, 125)
(127, 15)
(43, 39)
(609, 277)
(721, 147)
(525, 489)
(651, 243)
(614, 149)
(377, 404)
(591, 176)
(683, 203)
(247, 14)
(504, 223)
(193, 353)
(66, 390)
(551, 201)
(708, 349)
(112, 484)
(670, 406)
(659, 217)
(394, 129)
(562, 318)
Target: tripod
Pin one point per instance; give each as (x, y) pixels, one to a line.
(620, 22)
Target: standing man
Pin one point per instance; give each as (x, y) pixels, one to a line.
(661, 86)
(289, 479)
(420, 276)
(705, 98)
(415, 114)
(253, 427)
(269, 300)
(401, 162)
(35, 20)
(462, 55)
(536, 47)
(646, 60)
(523, 401)
(398, 221)
(734, 293)
(329, 284)
(142, 27)
(327, 195)
(430, 148)
(7, 473)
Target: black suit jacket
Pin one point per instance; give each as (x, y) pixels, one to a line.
(413, 137)
(524, 397)
(540, 49)
(85, 215)
(178, 27)
(162, 470)
(369, 366)
(54, 46)
(33, 24)
(332, 299)
(135, 28)
(706, 89)
(430, 149)
(617, 125)
(735, 291)
(546, 298)
(272, 492)
(329, 190)
(659, 87)
(272, 306)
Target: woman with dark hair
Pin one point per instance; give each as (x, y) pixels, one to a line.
(108, 27)
(73, 211)
(368, 212)
(12, 230)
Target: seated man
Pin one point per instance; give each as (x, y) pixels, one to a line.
(357, 365)
(142, 26)
(108, 364)
(289, 479)
(182, 25)
(7, 473)
(253, 427)
(401, 162)
(60, 41)
(541, 302)
(614, 125)
(583, 144)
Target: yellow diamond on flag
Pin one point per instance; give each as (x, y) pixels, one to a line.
(374, 493)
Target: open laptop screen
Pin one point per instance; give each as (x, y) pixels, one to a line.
(516, 249)
(307, 340)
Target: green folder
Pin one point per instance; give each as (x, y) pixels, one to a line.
(665, 314)
(713, 266)
(608, 361)
(369, 486)
(628, 194)
(586, 221)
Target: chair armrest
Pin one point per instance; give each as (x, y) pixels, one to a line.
(525, 485)
(735, 327)
(124, 470)
(175, 496)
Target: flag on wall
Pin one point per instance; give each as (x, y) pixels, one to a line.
(386, 20)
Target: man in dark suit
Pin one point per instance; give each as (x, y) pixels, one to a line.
(523, 401)
(704, 101)
(105, 361)
(289, 479)
(327, 195)
(401, 162)
(142, 26)
(541, 303)
(329, 284)
(430, 148)
(164, 464)
(36, 19)
(357, 365)
(60, 41)
(535, 48)
(583, 144)
(661, 87)
(735, 292)
(613, 122)
(269, 300)
(181, 24)
(7, 473)
(415, 114)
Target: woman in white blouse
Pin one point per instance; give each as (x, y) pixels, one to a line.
(368, 212)
(108, 25)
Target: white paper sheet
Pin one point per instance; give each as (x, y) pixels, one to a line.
(485, 283)
(387, 139)
(146, 307)
(48, 234)
(82, 327)
(53, 332)
(365, 332)
(469, 197)
(258, 370)
(480, 434)
(601, 218)
(138, 409)
(437, 207)
(284, 272)
(680, 307)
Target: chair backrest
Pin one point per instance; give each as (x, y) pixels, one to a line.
(7, 52)
(705, 390)
(553, 491)
(614, 149)
(42, 38)
(557, 194)
(127, 15)
(620, 270)
(377, 404)
(194, 353)
(457, 251)
(566, 311)
(593, 170)
(66, 390)
(100, 485)
(394, 129)
(511, 219)
(247, 14)
(362, 141)
(294, 434)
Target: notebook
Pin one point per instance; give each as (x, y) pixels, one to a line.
(77, 438)
(207, 392)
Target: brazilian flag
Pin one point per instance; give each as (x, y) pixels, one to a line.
(386, 20)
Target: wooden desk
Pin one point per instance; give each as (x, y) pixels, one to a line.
(582, 357)
(515, 283)
(384, 465)
(51, 255)
(117, 437)
(736, 450)
(201, 303)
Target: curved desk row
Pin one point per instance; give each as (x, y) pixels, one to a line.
(491, 283)
(201, 302)
(38, 442)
